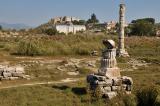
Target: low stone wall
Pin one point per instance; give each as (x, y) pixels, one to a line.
(12, 73)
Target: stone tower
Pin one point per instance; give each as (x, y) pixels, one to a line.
(121, 48)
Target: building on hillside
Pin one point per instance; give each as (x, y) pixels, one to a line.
(70, 28)
(111, 25)
(70, 19)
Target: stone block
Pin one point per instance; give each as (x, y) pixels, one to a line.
(13, 78)
(1, 71)
(127, 80)
(1, 77)
(16, 74)
(90, 78)
(129, 88)
(103, 83)
(116, 88)
(124, 86)
(6, 78)
(107, 89)
(117, 82)
(100, 78)
(27, 77)
(109, 82)
(111, 95)
(20, 69)
(110, 72)
(6, 74)
(10, 69)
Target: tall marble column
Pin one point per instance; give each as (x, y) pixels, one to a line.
(121, 48)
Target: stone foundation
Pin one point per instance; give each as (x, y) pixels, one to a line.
(110, 86)
(122, 53)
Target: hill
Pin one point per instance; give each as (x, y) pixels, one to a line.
(14, 26)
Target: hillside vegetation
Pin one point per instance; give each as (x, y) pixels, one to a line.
(77, 45)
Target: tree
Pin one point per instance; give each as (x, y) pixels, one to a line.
(1, 27)
(93, 19)
(157, 25)
(143, 27)
(50, 31)
(80, 22)
(150, 20)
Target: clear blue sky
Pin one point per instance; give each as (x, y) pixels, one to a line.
(35, 12)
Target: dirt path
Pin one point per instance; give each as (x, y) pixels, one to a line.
(67, 80)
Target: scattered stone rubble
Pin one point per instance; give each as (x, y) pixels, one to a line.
(12, 73)
(71, 66)
(108, 78)
(137, 63)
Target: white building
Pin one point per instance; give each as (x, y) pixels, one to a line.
(70, 28)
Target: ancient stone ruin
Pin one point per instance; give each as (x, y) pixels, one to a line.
(12, 73)
(121, 48)
(108, 78)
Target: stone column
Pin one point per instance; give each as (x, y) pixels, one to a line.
(108, 62)
(121, 48)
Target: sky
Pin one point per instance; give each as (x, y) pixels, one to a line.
(36, 12)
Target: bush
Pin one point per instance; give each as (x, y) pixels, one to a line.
(130, 100)
(158, 101)
(50, 31)
(123, 99)
(147, 96)
(58, 45)
(29, 48)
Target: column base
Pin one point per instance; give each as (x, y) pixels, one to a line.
(110, 72)
(122, 53)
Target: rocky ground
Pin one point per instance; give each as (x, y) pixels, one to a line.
(47, 69)
(44, 70)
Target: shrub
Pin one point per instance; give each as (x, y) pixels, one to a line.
(147, 96)
(29, 48)
(58, 45)
(2, 45)
(50, 31)
(123, 99)
(9, 47)
(97, 96)
(130, 100)
(157, 101)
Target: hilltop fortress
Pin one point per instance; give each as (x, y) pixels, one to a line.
(64, 20)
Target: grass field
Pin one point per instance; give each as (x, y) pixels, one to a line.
(73, 94)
